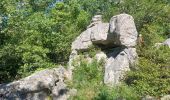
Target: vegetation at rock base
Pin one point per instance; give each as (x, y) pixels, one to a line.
(37, 34)
(88, 79)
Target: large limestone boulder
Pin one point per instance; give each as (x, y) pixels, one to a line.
(120, 35)
(39, 86)
(100, 35)
(124, 30)
(119, 61)
(83, 41)
(121, 31)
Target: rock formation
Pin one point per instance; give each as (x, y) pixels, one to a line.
(117, 41)
(42, 85)
(119, 36)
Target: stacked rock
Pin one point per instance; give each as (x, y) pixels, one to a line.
(120, 35)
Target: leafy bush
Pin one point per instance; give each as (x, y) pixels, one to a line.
(37, 34)
(152, 74)
(117, 93)
(87, 77)
(88, 80)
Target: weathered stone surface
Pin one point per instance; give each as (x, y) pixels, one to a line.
(166, 97)
(124, 30)
(38, 86)
(95, 20)
(120, 35)
(119, 61)
(149, 98)
(167, 42)
(120, 31)
(132, 56)
(101, 56)
(82, 42)
(59, 91)
(100, 35)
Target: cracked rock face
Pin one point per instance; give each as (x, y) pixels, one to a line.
(124, 30)
(118, 62)
(38, 86)
(121, 31)
(120, 35)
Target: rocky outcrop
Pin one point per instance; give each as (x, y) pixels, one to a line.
(121, 31)
(117, 40)
(118, 62)
(124, 30)
(42, 85)
(118, 37)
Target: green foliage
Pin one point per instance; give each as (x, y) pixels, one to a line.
(87, 77)
(151, 18)
(37, 40)
(152, 76)
(91, 52)
(34, 36)
(117, 93)
(88, 80)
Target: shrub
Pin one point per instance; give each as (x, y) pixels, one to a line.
(117, 93)
(150, 78)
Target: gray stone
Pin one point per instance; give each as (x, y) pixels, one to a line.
(132, 56)
(99, 34)
(149, 98)
(121, 33)
(119, 61)
(95, 20)
(38, 86)
(82, 42)
(124, 30)
(101, 56)
(59, 92)
(167, 42)
(166, 97)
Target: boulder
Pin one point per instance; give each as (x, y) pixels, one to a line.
(38, 86)
(121, 31)
(101, 56)
(167, 42)
(147, 97)
(95, 20)
(124, 30)
(99, 34)
(119, 61)
(166, 97)
(83, 41)
(120, 35)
